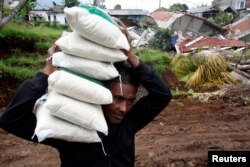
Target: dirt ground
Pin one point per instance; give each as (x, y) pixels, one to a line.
(180, 136)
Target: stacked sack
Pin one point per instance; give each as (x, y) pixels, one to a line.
(71, 110)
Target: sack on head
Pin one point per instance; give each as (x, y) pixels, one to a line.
(95, 28)
(76, 45)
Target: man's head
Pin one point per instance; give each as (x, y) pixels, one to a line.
(123, 89)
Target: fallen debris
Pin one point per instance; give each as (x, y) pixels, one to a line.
(140, 36)
(193, 43)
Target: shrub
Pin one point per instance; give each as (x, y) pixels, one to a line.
(202, 69)
(161, 39)
(157, 59)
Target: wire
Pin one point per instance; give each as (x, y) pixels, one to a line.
(189, 2)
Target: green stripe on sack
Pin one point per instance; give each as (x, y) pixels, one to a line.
(83, 76)
(99, 12)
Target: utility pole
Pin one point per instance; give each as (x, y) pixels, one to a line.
(159, 3)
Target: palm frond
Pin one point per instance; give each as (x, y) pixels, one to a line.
(204, 69)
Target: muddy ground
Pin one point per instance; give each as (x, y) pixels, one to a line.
(180, 136)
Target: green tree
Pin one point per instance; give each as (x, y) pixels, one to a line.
(177, 7)
(223, 18)
(8, 16)
(161, 39)
(70, 3)
(25, 10)
(161, 9)
(117, 6)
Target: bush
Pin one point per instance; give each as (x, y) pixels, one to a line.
(223, 18)
(202, 69)
(157, 59)
(161, 40)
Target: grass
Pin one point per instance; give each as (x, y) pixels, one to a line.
(21, 67)
(40, 38)
(25, 31)
(26, 45)
(159, 60)
(18, 37)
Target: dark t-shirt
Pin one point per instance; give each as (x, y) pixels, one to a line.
(116, 149)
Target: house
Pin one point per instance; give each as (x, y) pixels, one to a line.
(245, 11)
(236, 4)
(242, 6)
(54, 14)
(186, 24)
(208, 12)
(132, 17)
(205, 12)
(236, 7)
(10, 3)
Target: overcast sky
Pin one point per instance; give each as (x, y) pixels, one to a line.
(149, 5)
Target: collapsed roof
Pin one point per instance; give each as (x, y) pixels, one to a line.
(187, 23)
(201, 42)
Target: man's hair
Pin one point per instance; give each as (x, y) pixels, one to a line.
(126, 77)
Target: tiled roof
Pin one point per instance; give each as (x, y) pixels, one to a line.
(209, 42)
(162, 15)
(242, 25)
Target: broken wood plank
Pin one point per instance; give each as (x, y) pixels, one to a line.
(242, 73)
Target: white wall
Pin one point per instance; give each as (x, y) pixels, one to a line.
(59, 17)
(240, 4)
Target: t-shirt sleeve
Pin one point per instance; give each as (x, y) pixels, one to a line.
(18, 117)
(159, 95)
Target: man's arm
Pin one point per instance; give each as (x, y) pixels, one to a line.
(18, 117)
(159, 95)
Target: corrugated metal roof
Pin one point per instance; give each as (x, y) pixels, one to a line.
(127, 12)
(209, 42)
(242, 25)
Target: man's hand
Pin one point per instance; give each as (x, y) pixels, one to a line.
(49, 68)
(124, 30)
(132, 59)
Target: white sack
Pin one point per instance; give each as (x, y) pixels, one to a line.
(86, 115)
(94, 69)
(74, 44)
(95, 28)
(49, 126)
(79, 88)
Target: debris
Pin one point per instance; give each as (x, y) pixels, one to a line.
(140, 36)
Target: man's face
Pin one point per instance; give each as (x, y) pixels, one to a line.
(122, 102)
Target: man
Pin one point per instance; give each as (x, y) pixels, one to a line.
(173, 41)
(124, 117)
